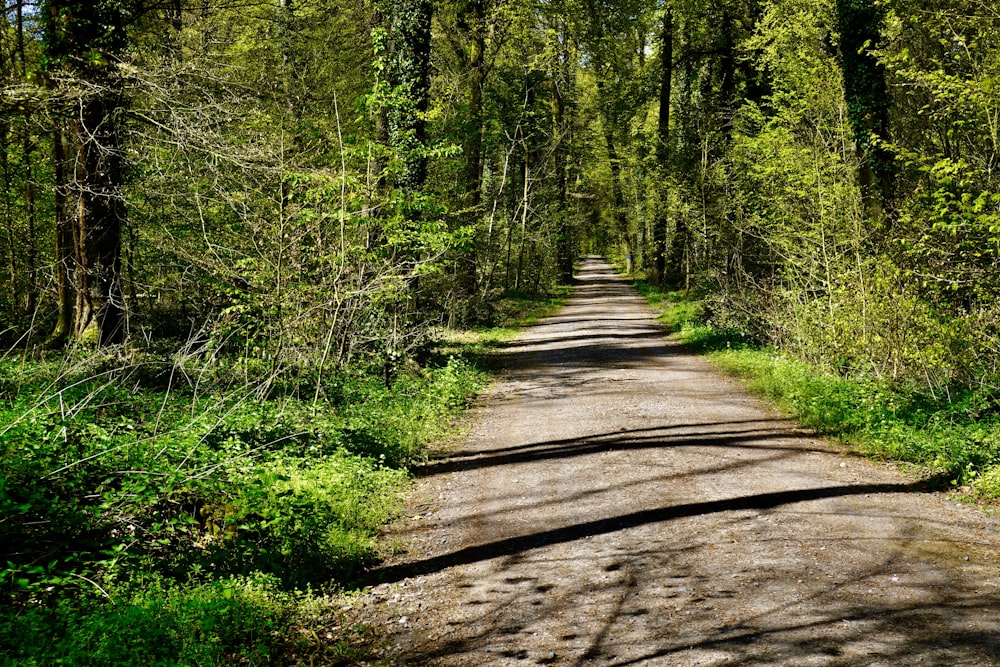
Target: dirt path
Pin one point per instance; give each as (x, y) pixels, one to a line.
(619, 502)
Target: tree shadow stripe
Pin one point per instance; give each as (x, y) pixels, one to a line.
(522, 543)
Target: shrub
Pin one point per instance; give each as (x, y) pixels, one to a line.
(231, 621)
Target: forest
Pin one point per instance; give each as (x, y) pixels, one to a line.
(254, 252)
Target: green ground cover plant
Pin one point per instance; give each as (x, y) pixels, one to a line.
(161, 513)
(514, 311)
(953, 434)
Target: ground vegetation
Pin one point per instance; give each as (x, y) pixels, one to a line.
(232, 235)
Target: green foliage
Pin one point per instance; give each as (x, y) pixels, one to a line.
(958, 436)
(241, 620)
(136, 500)
(692, 318)
(167, 513)
(507, 313)
(96, 475)
(231, 621)
(305, 521)
(679, 311)
(308, 220)
(784, 228)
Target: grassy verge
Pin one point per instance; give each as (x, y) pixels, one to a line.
(955, 436)
(158, 511)
(513, 312)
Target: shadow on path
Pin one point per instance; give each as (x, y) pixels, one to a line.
(635, 439)
(522, 543)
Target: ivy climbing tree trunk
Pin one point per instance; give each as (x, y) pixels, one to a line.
(860, 23)
(83, 42)
(409, 74)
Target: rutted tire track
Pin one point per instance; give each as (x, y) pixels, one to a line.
(619, 502)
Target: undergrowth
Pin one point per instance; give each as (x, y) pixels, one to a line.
(163, 511)
(954, 434)
(511, 313)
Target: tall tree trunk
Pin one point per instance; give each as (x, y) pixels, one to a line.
(83, 40)
(526, 176)
(377, 183)
(562, 89)
(31, 257)
(609, 122)
(860, 23)
(175, 15)
(661, 222)
(408, 73)
(8, 215)
(6, 70)
(727, 75)
(564, 253)
(27, 148)
(409, 69)
(618, 196)
(65, 255)
(95, 194)
(474, 20)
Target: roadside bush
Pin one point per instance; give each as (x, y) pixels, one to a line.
(872, 322)
(306, 522)
(163, 510)
(103, 478)
(956, 435)
(950, 430)
(157, 623)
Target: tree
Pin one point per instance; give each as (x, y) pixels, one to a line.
(661, 223)
(472, 16)
(408, 71)
(84, 42)
(860, 25)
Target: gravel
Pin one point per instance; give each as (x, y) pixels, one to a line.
(618, 501)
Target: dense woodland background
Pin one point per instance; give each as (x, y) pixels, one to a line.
(322, 179)
(222, 218)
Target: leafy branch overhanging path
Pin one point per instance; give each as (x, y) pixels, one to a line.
(619, 502)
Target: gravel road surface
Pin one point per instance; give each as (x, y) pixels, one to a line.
(618, 501)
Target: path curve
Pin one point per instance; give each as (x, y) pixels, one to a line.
(620, 502)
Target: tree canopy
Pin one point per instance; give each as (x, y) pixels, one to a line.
(336, 176)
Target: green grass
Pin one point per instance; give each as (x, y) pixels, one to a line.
(225, 622)
(953, 436)
(513, 311)
(129, 508)
(158, 511)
